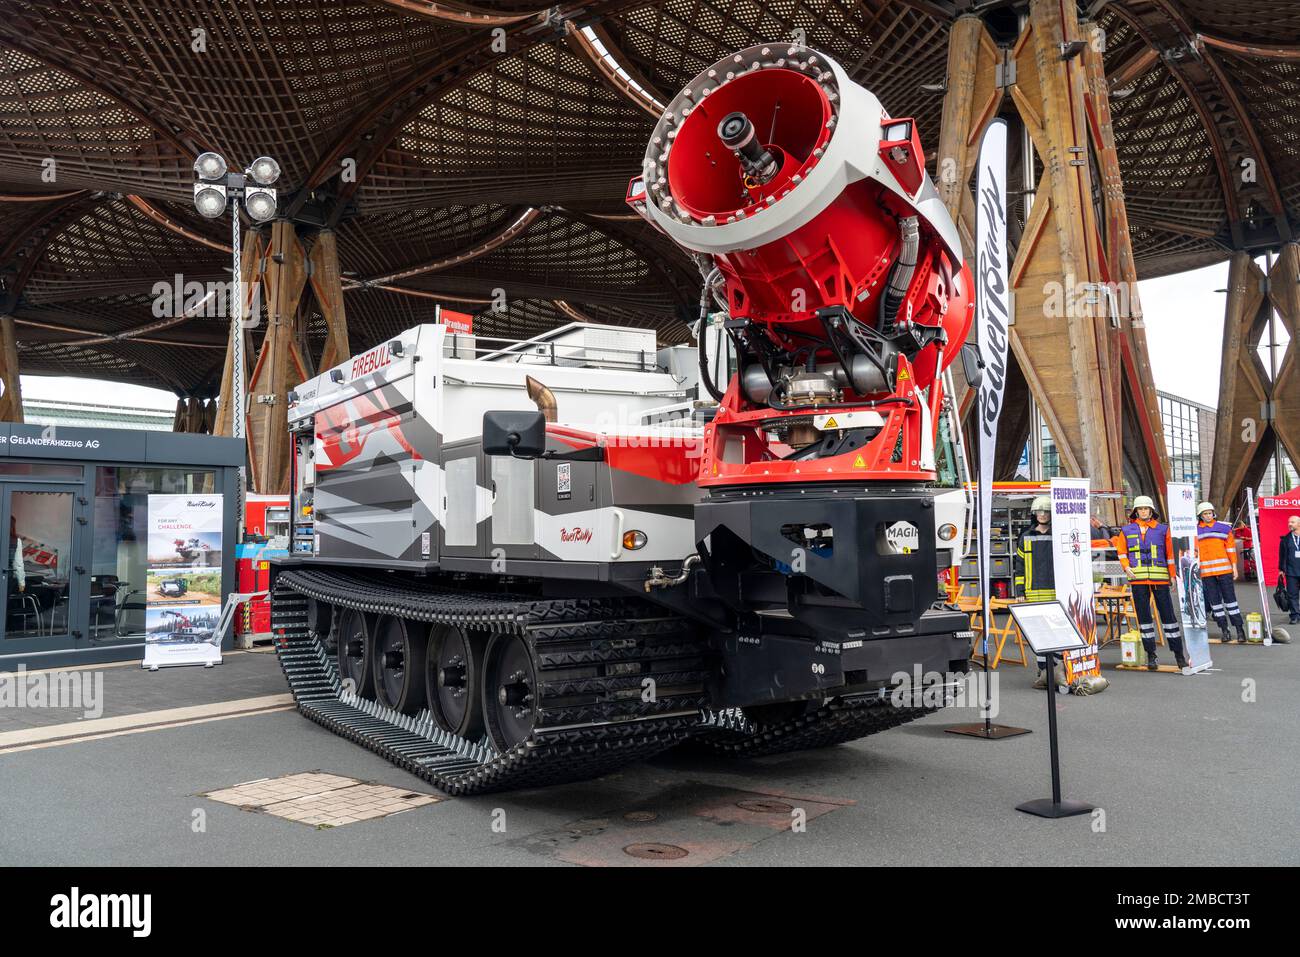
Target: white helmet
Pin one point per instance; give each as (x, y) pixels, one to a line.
(1041, 504)
(1203, 508)
(1144, 501)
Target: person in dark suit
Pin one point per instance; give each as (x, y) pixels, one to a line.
(1288, 564)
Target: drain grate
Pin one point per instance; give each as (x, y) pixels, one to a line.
(655, 852)
(762, 806)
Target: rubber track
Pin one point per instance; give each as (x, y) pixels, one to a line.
(566, 634)
(731, 733)
(600, 724)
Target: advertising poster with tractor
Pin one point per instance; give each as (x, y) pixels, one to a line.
(183, 600)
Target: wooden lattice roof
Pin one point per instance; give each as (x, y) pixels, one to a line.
(421, 130)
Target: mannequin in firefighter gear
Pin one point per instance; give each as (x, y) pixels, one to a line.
(1217, 547)
(1146, 550)
(1035, 575)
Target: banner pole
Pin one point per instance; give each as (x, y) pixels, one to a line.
(992, 328)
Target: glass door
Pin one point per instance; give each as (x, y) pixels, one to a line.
(40, 571)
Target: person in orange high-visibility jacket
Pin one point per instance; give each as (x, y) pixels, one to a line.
(1146, 550)
(1217, 548)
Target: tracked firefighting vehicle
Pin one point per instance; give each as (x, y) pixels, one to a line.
(522, 563)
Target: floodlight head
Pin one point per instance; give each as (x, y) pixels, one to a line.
(210, 199)
(264, 171)
(260, 203)
(209, 166)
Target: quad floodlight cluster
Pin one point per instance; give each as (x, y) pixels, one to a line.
(216, 187)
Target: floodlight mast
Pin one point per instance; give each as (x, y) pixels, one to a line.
(211, 170)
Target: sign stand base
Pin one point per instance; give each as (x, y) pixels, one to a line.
(1046, 807)
(1055, 806)
(989, 732)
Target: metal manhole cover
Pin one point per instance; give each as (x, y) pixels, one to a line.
(766, 807)
(656, 852)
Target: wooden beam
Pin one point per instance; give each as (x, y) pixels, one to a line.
(970, 99)
(1118, 244)
(1240, 429)
(622, 78)
(11, 403)
(1284, 293)
(327, 288)
(1265, 51)
(279, 365)
(959, 126)
(1060, 340)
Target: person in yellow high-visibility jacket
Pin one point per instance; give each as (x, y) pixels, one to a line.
(1146, 550)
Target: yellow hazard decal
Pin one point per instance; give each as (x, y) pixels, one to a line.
(902, 374)
(859, 463)
(831, 424)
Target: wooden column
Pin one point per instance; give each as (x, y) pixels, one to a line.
(971, 98)
(251, 259)
(1129, 355)
(11, 403)
(1059, 332)
(1284, 291)
(1240, 446)
(327, 287)
(279, 365)
(1244, 438)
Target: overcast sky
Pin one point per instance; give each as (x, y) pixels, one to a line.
(1184, 319)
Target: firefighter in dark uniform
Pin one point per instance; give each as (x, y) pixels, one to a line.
(1146, 551)
(1035, 576)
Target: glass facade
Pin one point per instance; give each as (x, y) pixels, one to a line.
(1268, 484)
(1189, 440)
(1051, 455)
(39, 562)
(119, 582)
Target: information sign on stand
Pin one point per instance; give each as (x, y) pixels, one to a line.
(1050, 632)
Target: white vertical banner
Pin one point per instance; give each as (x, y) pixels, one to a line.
(992, 322)
(1072, 570)
(1181, 497)
(1253, 521)
(183, 580)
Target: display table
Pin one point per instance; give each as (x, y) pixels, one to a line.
(999, 634)
(1115, 603)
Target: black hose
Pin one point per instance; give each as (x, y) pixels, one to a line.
(706, 374)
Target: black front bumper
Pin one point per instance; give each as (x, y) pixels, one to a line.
(856, 589)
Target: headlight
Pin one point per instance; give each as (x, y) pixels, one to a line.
(633, 540)
(948, 531)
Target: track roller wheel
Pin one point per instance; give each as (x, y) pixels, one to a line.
(453, 682)
(356, 652)
(510, 691)
(399, 664)
(320, 620)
